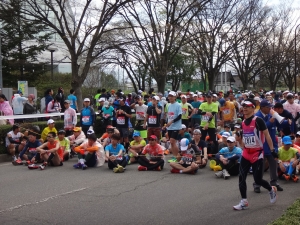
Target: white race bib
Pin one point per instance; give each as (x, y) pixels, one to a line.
(205, 118)
(121, 120)
(152, 120)
(249, 140)
(85, 119)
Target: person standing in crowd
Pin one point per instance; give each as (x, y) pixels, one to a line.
(208, 110)
(60, 94)
(73, 100)
(153, 118)
(174, 114)
(6, 108)
(87, 116)
(293, 108)
(264, 113)
(187, 111)
(70, 118)
(285, 129)
(18, 105)
(255, 133)
(48, 96)
(123, 114)
(140, 112)
(96, 97)
(195, 119)
(30, 108)
(54, 105)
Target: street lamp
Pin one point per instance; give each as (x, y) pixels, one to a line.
(51, 49)
(295, 75)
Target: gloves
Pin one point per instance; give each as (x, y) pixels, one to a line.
(274, 154)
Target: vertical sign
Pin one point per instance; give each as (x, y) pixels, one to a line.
(23, 86)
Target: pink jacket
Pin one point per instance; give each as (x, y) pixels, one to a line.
(7, 110)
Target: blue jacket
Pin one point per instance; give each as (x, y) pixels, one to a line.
(272, 131)
(87, 116)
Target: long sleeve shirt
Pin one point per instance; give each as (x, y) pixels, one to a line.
(70, 118)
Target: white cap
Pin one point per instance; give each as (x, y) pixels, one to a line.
(183, 126)
(237, 126)
(86, 100)
(173, 93)
(156, 98)
(256, 99)
(140, 91)
(183, 96)
(298, 133)
(106, 103)
(215, 95)
(194, 95)
(285, 92)
(101, 100)
(191, 93)
(50, 121)
(226, 134)
(231, 139)
(184, 144)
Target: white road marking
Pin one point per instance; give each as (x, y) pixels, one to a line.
(43, 200)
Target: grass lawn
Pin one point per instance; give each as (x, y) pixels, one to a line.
(291, 216)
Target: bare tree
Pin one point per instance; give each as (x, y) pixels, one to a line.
(159, 30)
(80, 25)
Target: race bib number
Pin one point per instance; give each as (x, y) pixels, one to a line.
(249, 140)
(184, 111)
(140, 115)
(205, 118)
(85, 119)
(171, 116)
(67, 117)
(226, 111)
(121, 120)
(32, 150)
(187, 158)
(119, 157)
(107, 115)
(152, 120)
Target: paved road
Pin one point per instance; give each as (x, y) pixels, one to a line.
(64, 195)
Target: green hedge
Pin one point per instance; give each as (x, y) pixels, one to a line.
(59, 124)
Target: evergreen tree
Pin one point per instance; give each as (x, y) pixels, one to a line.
(22, 42)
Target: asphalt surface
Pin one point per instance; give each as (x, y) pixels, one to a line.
(64, 195)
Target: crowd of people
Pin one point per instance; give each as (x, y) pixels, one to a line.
(233, 133)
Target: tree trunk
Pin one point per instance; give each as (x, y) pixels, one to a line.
(161, 83)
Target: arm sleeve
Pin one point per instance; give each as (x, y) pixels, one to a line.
(177, 118)
(23, 151)
(11, 140)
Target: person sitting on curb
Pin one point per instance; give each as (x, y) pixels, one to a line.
(49, 128)
(50, 152)
(156, 153)
(77, 138)
(287, 160)
(188, 158)
(65, 144)
(115, 154)
(90, 153)
(136, 146)
(229, 159)
(14, 142)
(29, 152)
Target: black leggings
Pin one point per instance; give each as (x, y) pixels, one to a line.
(212, 136)
(113, 164)
(143, 161)
(257, 168)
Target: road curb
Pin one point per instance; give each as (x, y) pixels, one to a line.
(5, 158)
